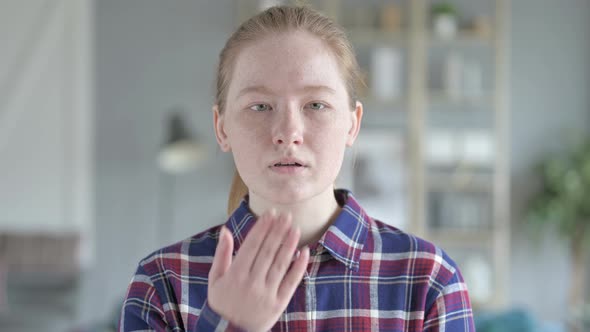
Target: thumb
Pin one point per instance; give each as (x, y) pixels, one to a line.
(223, 255)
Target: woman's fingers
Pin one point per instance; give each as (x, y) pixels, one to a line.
(283, 258)
(253, 288)
(223, 255)
(272, 244)
(249, 249)
(266, 255)
(294, 276)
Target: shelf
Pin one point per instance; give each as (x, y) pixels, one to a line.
(384, 119)
(463, 38)
(373, 102)
(480, 178)
(372, 37)
(470, 181)
(437, 97)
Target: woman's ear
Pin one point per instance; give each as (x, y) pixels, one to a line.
(219, 125)
(357, 117)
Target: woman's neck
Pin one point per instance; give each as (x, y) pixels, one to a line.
(313, 216)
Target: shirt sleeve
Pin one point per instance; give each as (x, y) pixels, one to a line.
(142, 308)
(451, 311)
(209, 320)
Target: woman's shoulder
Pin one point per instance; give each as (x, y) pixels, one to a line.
(195, 250)
(412, 261)
(402, 244)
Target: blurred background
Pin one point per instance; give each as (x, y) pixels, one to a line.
(475, 136)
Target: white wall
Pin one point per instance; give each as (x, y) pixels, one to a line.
(46, 156)
(45, 116)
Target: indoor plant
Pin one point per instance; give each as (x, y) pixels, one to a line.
(444, 20)
(564, 203)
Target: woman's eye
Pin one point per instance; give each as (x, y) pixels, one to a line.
(260, 107)
(316, 106)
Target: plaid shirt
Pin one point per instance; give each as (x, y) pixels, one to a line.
(363, 275)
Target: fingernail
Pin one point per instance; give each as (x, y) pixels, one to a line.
(296, 255)
(306, 248)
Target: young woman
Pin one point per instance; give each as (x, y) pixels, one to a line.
(295, 254)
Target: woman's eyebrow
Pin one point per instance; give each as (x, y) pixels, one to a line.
(321, 88)
(255, 88)
(267, 91)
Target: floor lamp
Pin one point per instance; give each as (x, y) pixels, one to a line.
(181, 153)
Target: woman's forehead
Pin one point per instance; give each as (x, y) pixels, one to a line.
(294, 60)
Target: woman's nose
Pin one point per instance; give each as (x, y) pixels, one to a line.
(288, 128)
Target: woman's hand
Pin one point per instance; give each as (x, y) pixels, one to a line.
(252, 291)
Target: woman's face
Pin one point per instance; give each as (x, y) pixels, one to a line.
(288, 118)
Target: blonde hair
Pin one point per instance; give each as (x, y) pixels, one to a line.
(283, 19)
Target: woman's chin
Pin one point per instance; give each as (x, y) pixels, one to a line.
(290, 195)
(287, 197)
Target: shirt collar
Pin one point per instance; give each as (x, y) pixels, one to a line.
(344, 239)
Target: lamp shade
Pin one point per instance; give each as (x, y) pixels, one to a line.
(181, 152)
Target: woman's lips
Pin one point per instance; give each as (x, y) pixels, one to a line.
(288, 168)
(287, 164)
